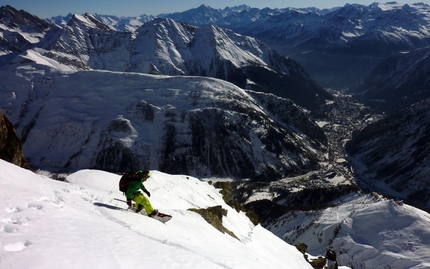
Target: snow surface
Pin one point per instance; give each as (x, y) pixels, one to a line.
(366, 231)
(55, 224)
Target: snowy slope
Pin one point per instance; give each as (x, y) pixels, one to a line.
(53, 224)
(366, 231)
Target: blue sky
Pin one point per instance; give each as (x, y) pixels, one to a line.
(49, 8)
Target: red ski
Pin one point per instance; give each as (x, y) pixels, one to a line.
(161, 217)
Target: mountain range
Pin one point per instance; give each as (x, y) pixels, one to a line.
(327, 42)
(168, 47)
(194, 120)
(324, 42)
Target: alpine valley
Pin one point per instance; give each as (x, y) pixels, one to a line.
(315, 120)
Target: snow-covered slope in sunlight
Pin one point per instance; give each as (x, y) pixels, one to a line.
(366, 231)
(53, 224)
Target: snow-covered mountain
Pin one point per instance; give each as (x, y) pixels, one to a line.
(124, 24)
(20, 30)
(391, 155)
(53, 224)
(168, 47)
(235, 17)
(338, 47)
(397, 82)
(87, 43)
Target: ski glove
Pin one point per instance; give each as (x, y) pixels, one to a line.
(147, 193)
(129, 202)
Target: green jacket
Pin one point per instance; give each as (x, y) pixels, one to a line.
(134, 188)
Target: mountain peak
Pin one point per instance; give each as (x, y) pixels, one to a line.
(89, 21)
(13, 18)
(202, 6)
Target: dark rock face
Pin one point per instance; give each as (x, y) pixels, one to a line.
(10, 145)
(397, 82)
(220, 143)
(393, 154)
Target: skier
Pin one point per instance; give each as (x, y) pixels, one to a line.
(133, 193)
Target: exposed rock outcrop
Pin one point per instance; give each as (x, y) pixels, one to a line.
(10, 144)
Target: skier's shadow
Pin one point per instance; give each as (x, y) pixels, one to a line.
(107, 206)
